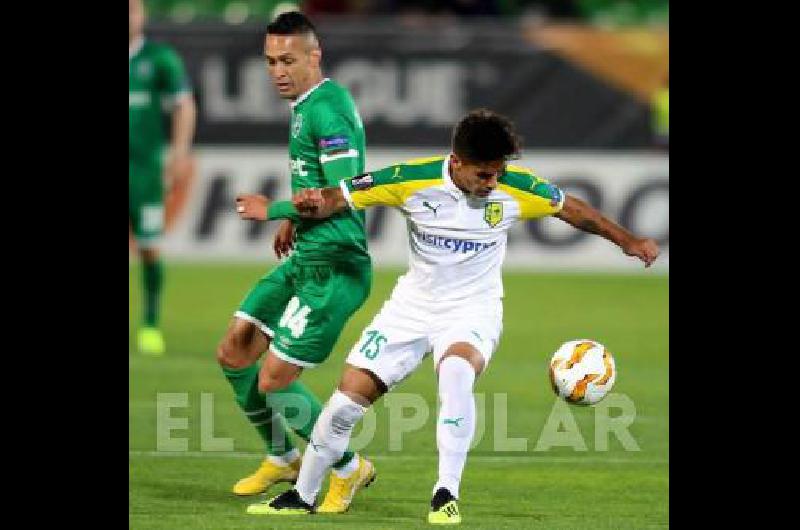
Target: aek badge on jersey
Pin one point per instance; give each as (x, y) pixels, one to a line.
(493, 213)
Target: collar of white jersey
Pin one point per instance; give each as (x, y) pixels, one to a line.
(134, 48)
(449, 185)
(308, 92)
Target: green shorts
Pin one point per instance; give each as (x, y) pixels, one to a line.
(304, 306)
(146, 202)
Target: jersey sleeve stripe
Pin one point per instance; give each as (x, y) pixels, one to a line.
(532, 206)
(182, 93)
(325, 158)
(170, 100)
(423, 161)
(520, 169)
(346, 193)
(390, 194)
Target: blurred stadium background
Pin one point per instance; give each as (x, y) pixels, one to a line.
(586, 82)
(581, 80)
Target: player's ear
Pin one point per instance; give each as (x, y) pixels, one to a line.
(316, 56)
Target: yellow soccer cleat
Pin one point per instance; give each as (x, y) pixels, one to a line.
(444, 508)
(151, 341)
(342, 490)
(287, 503)
(265, 476)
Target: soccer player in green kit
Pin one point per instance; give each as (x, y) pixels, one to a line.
(296, 312)
(157, 79)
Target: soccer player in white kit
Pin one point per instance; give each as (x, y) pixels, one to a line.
(458, 210)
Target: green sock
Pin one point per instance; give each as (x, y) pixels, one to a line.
(292, 401)
(152, 279)
(268, 424)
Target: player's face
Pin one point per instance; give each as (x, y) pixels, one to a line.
(476, 178)
(135, 18)
(292, 63)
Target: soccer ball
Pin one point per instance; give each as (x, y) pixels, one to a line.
(582, 371)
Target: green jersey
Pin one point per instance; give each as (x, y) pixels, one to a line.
(326, 145)
(157, 78)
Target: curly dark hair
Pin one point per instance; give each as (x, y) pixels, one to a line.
(485, 136)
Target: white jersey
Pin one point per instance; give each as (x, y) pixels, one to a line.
(457, 242)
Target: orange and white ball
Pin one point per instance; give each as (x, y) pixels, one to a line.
(582, 371)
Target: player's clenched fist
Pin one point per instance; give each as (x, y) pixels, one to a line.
(645, 249)
(252, 207)
(309, 202)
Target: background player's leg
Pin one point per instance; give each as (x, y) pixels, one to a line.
(147, 221)
(152, 282)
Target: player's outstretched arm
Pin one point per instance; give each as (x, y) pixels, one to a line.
(313, 203)
(582, 216)
(255, 207)
(252, 206)
(317, 203)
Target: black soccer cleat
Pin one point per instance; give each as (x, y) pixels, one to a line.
(287, 503)
(444, 508)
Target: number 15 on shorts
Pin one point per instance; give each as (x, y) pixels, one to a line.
(372, 345)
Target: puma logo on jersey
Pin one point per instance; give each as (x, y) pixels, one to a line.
(429, 206)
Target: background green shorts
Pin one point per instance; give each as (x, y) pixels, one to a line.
(146, 202)
(304, 306)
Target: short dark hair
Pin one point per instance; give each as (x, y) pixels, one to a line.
(485, 136)
(291, 23)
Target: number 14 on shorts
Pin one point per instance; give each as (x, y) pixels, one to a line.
(295, 317)
(372, 345)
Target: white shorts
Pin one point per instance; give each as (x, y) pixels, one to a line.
(406, 330)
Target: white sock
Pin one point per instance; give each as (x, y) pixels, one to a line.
(328, 443)
(286, 458)
(348, 469)
(455, 426)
